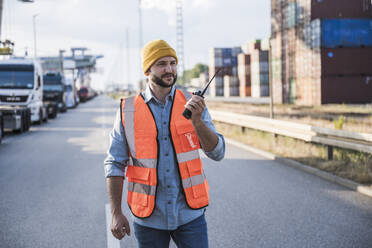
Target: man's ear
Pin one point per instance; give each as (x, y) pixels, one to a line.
(147, 73)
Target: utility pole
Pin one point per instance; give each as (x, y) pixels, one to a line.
(1, 17)
(34, 24)
(128, 57)
(121, 80)
(140, 42)
(271, 80)
(180, 46)
(61, 58)
(140, 23)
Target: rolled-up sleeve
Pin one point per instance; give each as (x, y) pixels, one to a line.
(117, 154)
(218, 153)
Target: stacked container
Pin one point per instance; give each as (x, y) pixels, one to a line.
(226, 60)
(259, 67)
(244, 74)
(231, 86)
(328, 62)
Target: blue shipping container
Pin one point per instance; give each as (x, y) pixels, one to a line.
(346, 33)
(227, 52)
(227, 62)
(234, 61)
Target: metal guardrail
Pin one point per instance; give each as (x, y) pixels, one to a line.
(237, 99)
(332, 138)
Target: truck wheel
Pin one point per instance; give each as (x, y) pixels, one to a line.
(55, 111)
(24, 121)
(28, 119)
(1, 129)
(45, 117)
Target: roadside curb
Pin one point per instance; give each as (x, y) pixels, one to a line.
(306, 168)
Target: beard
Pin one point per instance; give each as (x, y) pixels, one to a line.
(159, 80)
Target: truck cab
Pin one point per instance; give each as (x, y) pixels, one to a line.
(54, 89)
(21, 84)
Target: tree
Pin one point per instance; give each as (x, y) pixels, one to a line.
(193, 73)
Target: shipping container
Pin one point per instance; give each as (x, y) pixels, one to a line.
(348, 90)
(251, 46)
(244, 70)
(230, 81)
(234, 70)
(264, 90)
(340, 9)
(346, 61)
(276, 66)
(256, 90)
(244, 91)
(265, 44)
(218, 81)
(333, 33)
(235, 51)
(290, 15)
(277, 91)
(264, 78)
(244, 59)
(234, 91)
(223, 71)
(219, 91)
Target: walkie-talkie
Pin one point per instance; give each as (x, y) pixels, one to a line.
(187, 113)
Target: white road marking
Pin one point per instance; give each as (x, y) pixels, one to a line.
(112, 242)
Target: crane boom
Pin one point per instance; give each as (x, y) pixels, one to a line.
(6, 46)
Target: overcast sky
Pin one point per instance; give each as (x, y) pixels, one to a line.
(101, 27)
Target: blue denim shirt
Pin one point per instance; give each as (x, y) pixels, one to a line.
(171, 209)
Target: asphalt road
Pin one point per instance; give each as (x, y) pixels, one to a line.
(53, 193)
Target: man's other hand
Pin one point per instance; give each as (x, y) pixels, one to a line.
(119, 226)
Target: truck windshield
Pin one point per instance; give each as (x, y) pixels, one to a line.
(53, 87)
(52, 79)
(16, 79)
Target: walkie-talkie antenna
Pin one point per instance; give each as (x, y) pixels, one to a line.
(206, 87)
(187, 113)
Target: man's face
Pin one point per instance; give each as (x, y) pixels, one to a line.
(164, 72)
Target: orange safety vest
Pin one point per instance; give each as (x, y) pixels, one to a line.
(141, 135)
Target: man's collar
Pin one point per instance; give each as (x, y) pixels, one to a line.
(148, 95)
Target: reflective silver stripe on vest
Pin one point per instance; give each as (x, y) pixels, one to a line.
(193, 181)
(187, 156)
(129, 124)
(141, 188)
(146, 163)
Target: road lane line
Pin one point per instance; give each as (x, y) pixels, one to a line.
(112, 242)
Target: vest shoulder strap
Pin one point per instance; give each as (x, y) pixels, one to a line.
(127, 104)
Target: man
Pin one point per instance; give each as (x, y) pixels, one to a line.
(167, 189)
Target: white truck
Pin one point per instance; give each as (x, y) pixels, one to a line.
(21, 93)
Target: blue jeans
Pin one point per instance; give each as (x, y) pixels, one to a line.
(191, 235)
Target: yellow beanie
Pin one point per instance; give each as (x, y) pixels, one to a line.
(155, 50)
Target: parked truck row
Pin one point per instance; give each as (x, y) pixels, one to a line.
(30, 96)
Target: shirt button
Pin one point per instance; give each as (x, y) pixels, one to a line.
(169, 202)
(166, 154)
(168, 186)
(167, 170)
(165, 123)
(165, 138)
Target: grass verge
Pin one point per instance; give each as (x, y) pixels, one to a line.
(356, 166)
